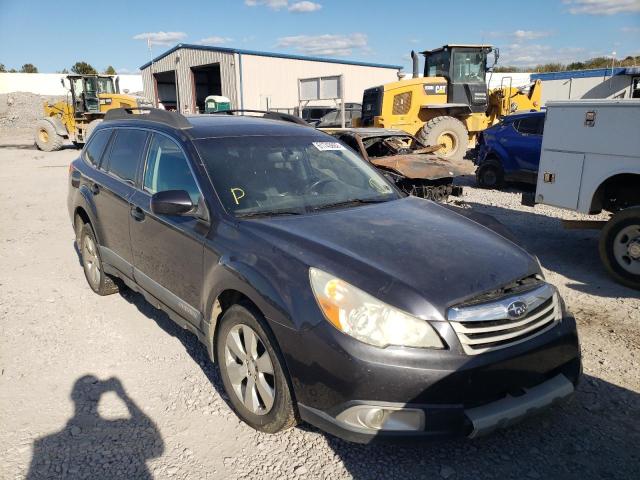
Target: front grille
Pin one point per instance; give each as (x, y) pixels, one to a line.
(484, 327)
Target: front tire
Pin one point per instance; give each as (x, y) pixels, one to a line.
(47, 139)
(620, 247)
(100, 282)
(490, 176)
(252, 371)
(449, 132)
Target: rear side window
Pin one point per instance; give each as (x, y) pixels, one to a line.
(96, 146)
(125, 153)
(531, 125)
(167, 169)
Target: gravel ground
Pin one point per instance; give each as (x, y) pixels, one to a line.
(103, 387)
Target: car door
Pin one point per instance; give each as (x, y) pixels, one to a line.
(112, 188)
(524, 146)
(168, 250)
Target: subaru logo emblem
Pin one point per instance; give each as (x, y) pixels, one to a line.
(517, 310)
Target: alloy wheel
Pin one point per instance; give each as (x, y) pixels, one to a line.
(91, 261)
(250, 369)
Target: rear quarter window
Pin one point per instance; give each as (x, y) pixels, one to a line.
(126, 151)
(95, 148)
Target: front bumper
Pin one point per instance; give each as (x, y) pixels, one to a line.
(460, 395)
(472, 422)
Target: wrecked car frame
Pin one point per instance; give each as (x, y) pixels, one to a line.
(415, 168)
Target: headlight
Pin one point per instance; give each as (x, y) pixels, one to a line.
(366, 318)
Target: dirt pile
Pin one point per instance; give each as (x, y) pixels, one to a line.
(23, 109)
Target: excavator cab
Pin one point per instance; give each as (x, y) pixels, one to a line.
(464, 67)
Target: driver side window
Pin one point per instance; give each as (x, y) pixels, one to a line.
(167, 169)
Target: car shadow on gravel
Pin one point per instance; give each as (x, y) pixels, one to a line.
(90, 446)
(594, 436)
(192, 345)
(571, 253)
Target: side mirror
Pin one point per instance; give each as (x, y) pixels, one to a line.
(171, 202)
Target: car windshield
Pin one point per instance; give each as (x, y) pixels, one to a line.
(289, 175)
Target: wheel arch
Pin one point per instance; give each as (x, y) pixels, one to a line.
(625, 182)
(235, 283)
(86, 210)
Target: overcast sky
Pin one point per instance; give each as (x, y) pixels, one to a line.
(54, 34)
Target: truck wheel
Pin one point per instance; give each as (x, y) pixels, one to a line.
(620, 247)
(90, 128)
(252, 371)
(448, 132)
(490, 176)
(47, 139)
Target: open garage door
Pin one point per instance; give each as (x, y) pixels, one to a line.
(206, 81)
(167, 89)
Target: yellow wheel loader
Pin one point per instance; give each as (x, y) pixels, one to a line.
(451, 103)
(89, 97)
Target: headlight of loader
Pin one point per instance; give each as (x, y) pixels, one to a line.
(366, 318)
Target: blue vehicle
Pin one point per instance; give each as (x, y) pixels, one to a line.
(510, 150)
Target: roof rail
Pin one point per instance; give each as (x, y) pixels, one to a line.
(283, 117)
(173, 119)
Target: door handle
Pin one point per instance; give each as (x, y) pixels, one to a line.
(95, 188)
(137, 214)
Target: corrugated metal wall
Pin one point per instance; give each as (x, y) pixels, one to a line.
(182, 60)
(273, 81)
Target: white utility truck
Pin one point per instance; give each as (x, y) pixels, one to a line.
(590, 163)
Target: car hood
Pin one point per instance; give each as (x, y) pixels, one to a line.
(404, 252)
(420, 166)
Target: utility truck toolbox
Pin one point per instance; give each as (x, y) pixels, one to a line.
(590, 163)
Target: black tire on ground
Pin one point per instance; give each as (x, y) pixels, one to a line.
(453, 129)
(47, 139)
(620, 247)
(281, 415)
(90, 128)
(490, 176)
(100, 282)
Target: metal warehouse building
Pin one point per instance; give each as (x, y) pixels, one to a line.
(185, 75)
(622, 82)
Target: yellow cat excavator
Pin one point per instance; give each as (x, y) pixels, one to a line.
(89, 97)
(451, 103)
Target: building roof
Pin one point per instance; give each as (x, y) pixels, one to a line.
(596, 72)
(267, 54)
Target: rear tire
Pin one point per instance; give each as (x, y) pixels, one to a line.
(47, 139)
(620, 247)
(447, 131)
(100, 282)
(254, 379)
(490, 176)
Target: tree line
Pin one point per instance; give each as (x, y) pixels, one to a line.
(597, 62)
(80, 68)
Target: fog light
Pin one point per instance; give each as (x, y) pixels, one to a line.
(377, 417)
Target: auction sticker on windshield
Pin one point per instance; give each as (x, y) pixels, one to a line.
(327, 146)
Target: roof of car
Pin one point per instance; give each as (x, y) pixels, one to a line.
(518, 115)
(207, 126)
(217, 125)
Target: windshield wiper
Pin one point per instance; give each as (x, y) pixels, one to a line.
(348, 203)
(268, 213)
